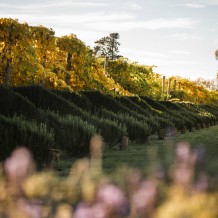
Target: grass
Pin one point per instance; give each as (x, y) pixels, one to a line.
(158, 153)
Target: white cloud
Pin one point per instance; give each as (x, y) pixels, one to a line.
(53, 4)
(168, 23)
(201, 3)
(148, 57)
(93, 19)
(134, 6)
(216, 42)
(180, 52)
(96, 21)
(210, 2)
(195, 5)
(177, 23)
(82, 19)
(150, 54)
(185, 36)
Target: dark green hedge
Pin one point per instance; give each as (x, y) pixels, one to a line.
(17, 131)
(12, 103)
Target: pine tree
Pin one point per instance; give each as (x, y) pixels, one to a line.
(108, 47)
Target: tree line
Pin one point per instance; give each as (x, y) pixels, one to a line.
(34, 55)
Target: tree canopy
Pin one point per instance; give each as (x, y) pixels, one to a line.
(108, 47)
(34, 55)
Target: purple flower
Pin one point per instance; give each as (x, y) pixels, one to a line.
(145, 196)
(83, 211)
(113, 199)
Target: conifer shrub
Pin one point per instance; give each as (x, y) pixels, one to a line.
(137, 131)
(17, 131)
(139, 134)
(76, 135)
(154, 104)
(126, 101)
(164, 123)
(161, 111)
(111, 131)
(202, 113)
(170, 105)
(212, 109)
(180, 116)
(100, 100)
(114, 105)
(143, 104)
(71, 134)
(47, 100)
(167, 117)
(143, 111)
(12, 103)
(96, 98)
(76, 98)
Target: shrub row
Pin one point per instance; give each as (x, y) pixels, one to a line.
(17, 131)
(71, 134)
(136, 130)
(75, 117)
(13, 103)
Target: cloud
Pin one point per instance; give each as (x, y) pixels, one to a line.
(180, 52)
(162, 59)
(134, 6)
(215, 42)
(99, 20)
(83, 19)
(210, 2)
(51, 8)
(177, 23)
(54, 4)
(150, 54)
(195, 5)
(144, 57)
(185, 36)
(168, 23)
(198, 4)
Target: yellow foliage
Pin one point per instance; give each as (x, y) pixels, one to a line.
(202, 205)
(34, 54)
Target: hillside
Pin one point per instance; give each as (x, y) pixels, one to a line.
(33, 55)
(42, 119)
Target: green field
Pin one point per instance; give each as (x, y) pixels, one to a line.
(158, 153)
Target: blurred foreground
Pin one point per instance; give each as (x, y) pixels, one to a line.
(184, 190)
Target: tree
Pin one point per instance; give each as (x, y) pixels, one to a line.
(16, 51)
(44, 44)
(108, 47)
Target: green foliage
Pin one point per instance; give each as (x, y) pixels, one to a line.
(71, 134)
(32, 55)
(76, 98)
(47, 100)
(108, 47)
(212, 109)
(131, 76)
(111, 131)
(137, 131)
(74, 135)
(17, 131)
(76, 116)
(13, 103)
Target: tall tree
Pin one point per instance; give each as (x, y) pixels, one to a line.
(16, 51)
(44, 44)
(108, 47)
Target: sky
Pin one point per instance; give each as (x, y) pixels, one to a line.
(180, 37)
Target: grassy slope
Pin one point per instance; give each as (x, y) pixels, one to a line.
(157, 153)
